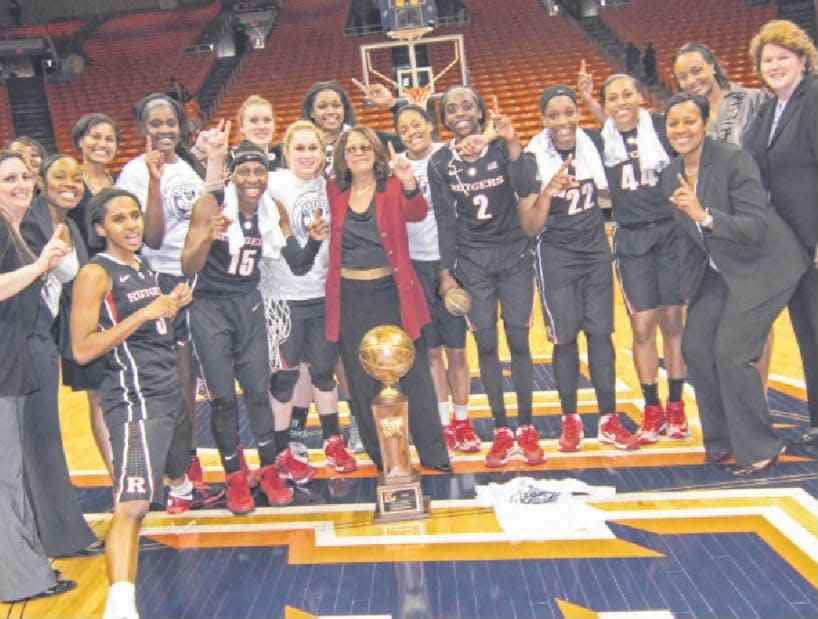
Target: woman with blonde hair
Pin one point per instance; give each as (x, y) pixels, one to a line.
(784, 141)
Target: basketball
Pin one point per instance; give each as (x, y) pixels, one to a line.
(457, 302)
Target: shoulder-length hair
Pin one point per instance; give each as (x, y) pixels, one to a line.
(785, 34)
(343, 175)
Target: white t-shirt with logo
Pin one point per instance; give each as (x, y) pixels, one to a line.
(179, 187)
(423, 234)
(300, 199)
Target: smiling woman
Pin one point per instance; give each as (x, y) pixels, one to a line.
(62, 527)
(740, 265)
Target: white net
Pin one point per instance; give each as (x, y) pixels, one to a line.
(276, 311)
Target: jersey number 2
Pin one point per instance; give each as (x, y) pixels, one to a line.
(481, 203)
(243, 262)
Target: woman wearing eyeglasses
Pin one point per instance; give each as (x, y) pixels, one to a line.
(371, 281)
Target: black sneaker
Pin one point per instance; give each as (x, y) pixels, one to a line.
(201, 497)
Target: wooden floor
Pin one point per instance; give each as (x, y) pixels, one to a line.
(676, 538)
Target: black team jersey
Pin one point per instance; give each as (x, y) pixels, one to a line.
(475, 203)
(573, 240)
(636, 196)
(141, 369)
(226, 275)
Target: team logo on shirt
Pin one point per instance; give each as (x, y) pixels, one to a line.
(303, 213)
(180, 199)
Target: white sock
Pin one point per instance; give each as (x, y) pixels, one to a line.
(182, 490)
(121, 602)
(445, 416)
(461, 412)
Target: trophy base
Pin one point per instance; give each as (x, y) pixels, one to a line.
(400, 501)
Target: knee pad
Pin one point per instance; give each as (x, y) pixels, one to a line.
(282, 384)
(322, 379)
(517, 338)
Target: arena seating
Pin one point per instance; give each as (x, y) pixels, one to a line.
(6, 126)
(669, 25)
(130, 56)
(57, 30)
(544, 50)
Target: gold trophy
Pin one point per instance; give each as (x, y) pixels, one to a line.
(386, 353)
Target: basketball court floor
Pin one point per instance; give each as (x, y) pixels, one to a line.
(666, 535)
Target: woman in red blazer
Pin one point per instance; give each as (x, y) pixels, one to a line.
(371, 281)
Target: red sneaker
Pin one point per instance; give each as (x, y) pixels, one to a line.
(337, 456)
(450, 438)
(528, 440)
(290, 467)
(501, 447)
(194, 471)
(252, 479)
(239, 499)
(278, 493)
(200, 497)
(572, 433)
(466, 439)
(611, 431)
(654, 423)
(677, 427)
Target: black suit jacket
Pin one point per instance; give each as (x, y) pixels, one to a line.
(789, 164)
(37, 229)
(757, 254)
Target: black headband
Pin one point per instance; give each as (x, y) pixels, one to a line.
(245, 157)
(556, 91)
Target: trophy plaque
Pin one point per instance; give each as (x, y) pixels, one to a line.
(386, 353)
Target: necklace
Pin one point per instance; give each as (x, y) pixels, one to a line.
(358, 191)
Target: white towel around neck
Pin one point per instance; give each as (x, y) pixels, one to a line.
(586, 160)
(652, 155)
(272, 238)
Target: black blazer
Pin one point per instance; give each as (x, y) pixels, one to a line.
(757, 254)
(789, 165)
(37, 229)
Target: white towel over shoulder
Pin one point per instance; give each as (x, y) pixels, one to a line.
(272, 238)
(652, 155)
(587, 162)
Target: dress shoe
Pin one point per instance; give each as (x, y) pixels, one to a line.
(757, 468)
(91, 550)
(443, 468)
(61, 586)
(717, 457)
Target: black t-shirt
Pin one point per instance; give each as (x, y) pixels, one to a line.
(475, 204)
(573, 240)
(18, 317)
(143, 367)
(636, 196)
(361, 246)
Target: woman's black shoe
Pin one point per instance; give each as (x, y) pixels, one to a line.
(717, 457)
(443, 468)
(61, 586)
(757, 468)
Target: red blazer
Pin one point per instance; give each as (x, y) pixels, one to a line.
(392, 210)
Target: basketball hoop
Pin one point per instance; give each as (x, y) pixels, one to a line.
(419, 95)
(410, 34)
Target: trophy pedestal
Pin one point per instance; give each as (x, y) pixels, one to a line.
(398, 495)
(400, 501)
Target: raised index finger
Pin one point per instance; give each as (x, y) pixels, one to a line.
(361, 86)
(582, 67)
(567, 163)
(391, 150)
(682, 181)
(148, 145)
(495, 105)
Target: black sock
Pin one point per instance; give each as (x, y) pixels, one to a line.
(329, 424)
(675, 386)
(500, 421)
(282, 440)
(651, 393)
